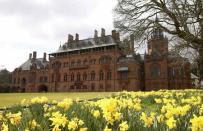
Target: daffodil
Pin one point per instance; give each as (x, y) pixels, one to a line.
(96, 113)
(123, 126)
(14, 118)
(171, 123)
(197, 123)
(4, 127)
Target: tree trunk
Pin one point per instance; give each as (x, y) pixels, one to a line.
(201, 52)
(200, 65)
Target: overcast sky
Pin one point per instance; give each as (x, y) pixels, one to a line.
(41, 25)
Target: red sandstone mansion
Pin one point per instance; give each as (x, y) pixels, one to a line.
(100, 64)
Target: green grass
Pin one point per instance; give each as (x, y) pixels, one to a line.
(8, 99)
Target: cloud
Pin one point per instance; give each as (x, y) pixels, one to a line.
(27, 25)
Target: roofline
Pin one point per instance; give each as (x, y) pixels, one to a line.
(82, 48)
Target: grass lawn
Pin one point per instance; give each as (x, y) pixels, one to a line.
(8, 99)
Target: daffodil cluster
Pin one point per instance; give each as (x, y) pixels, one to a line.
(163, 110)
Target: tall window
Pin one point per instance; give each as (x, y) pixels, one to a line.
(109, 75)
(101, 75)
(78, 76)
(124, 75)
(84, 76)
(72, 77)
(92, 75)
(155, 71)
(65, 77)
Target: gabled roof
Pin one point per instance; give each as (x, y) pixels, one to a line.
(40, 64)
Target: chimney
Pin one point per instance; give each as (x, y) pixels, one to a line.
(45, 56)
(70, 38)
(95, 34)
(113, 34)
(34, 55)
(132, 43)
(102, 32)
(76, 37)
(30, 56)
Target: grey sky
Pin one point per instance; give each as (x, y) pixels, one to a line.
(28, 25)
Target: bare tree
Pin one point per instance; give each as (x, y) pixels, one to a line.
(179, 18)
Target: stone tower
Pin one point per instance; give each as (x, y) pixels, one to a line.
(156, 60)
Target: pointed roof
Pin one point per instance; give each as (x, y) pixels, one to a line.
(157, 31)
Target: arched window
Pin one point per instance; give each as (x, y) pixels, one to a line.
(65, 77)
(155, 71)
(84, 76)
(109, 75)
(101, 75)
(72, 77)
(92, 75)
(78, 76)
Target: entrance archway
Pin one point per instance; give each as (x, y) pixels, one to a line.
(42, 88)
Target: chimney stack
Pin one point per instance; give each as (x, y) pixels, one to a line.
(70, 38)
(95, 34)
(30, 56)
(102, 32)
(45, 56)
(113, 34)
(76, 37)
(34, 55)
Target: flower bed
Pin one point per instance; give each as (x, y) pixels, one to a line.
(162, 110)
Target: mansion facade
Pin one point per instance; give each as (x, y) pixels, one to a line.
(101, 64)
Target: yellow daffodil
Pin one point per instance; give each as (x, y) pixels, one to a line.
(123, 126)
(197, 123)
(171, 123)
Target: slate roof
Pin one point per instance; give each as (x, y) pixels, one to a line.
(40, 64)
(86, 44)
